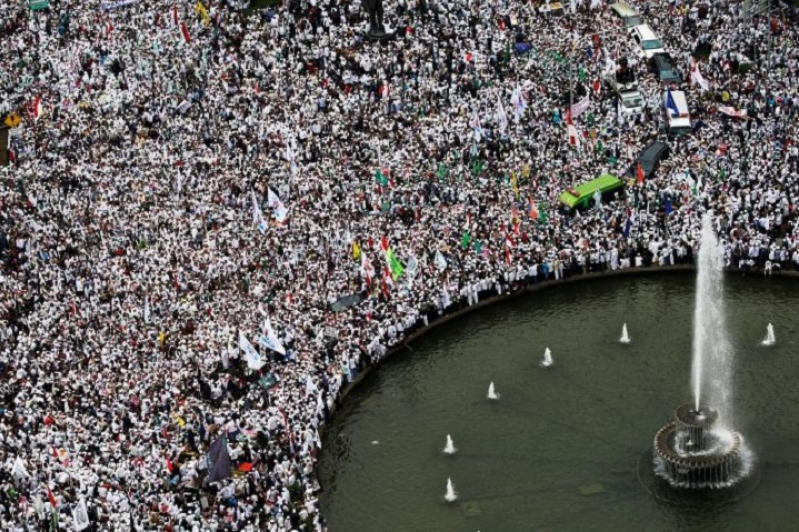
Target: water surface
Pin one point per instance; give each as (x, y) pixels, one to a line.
(558, 451)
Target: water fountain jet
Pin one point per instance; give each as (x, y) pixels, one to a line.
(492, 394)
(625, 338)
(770, 339)
(449, 447)
(697, 451)
(450, 496)
(547, 358)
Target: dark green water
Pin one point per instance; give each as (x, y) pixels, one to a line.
(558, 451)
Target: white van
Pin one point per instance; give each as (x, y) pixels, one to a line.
(629, 17)
(646, 42)
(678, 118)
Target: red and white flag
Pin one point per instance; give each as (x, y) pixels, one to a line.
(35, 109)
(185, 32)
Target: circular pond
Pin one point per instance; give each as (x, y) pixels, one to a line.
(559, 449)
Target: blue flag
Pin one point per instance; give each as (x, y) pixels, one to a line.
(671, 105)
(627, 226)
(667, 206)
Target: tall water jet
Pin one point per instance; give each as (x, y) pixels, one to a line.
(450, 496)
(449, 447)
(492, 393)
(625, 338)
(547, 358)
(711, 369)
(697, 450)
(770, 339)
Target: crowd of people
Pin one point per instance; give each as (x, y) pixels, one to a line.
(217, 215)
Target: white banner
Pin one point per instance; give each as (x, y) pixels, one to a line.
(732, 111)
(578, 108)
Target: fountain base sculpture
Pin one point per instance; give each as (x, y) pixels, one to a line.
(697, 462)
(691, 453)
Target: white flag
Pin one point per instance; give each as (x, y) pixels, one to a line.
(257, 215)
(698, 78)
(147, 310)
(279, 211)
(254, 360)
(519, 104)
(19, 470)
(441, 262)
(80, 516)
(502, 118)
(269, 339)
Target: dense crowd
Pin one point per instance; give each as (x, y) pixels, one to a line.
(216, 217)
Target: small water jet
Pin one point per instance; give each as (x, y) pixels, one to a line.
(449, 447)
(547, 358)
(450, 496)
(770, 339)
(492, 393)
(625, 338)
(697, 451)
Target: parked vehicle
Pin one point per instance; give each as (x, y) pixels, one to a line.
(646, 42)
(678, 117)
(649, 159)
(629, 17)
(663, 66)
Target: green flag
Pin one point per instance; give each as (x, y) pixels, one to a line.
(442, 170)
(543, 219)
(380, 179)
(477, 167)
(465, 239)
(478, 247)
(582, 74)
(394, 264)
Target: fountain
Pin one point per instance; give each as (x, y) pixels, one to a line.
(449, 448)
(770, 339)
(547, 358)
(492, 394)
(625, 338)
(698, 450)
(450, 496)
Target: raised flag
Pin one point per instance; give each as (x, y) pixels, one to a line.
(356, 251)
(514, 183)
(394, 264)
(279, 210)
(257, 215)
(639, 173)
(502, 117)
(218, 460)
(254, 360)
(440, 261)
(269, 339)
(367, 269)
(466, 239)
(185, 32)
(80, 516)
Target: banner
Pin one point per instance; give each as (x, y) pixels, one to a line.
(254, 360)
(108, 6)
(578, 108)
(732, 111)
